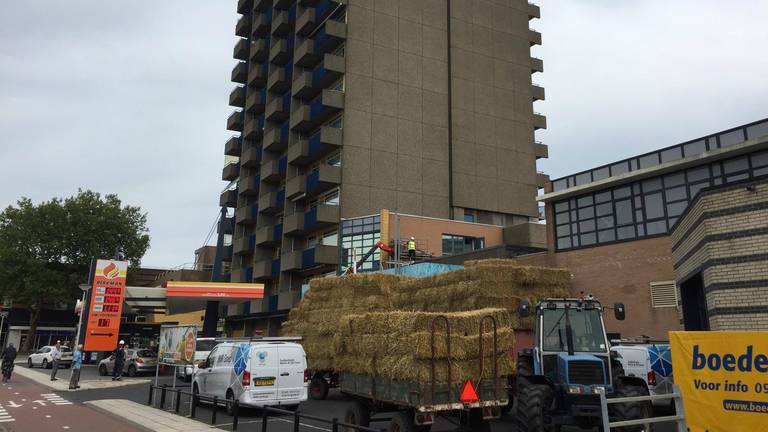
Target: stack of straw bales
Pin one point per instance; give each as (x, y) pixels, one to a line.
(380, 324)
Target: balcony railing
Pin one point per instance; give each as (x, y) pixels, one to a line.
(233, 146)
(262, 22)
(280, 79)
(269, 235)
(241, 50)
(537, 93)
(537, 65)
(262, 270)
(319, 217)
(226, 226)
(243, 27)
(308, 186)
(308, 150)
(244, 6)
(235, 121)
(272, 202)
(254, 128)
(257, 75)
(312, 15)
(278, 110)
(318, 111)
(228, 198)
(244, 245)
(282, 22)
(256, 101)
(539, 121)
(534, 37)
(230, 171)
(270, 171)
(246, 215)
(259, 50)
(251, 157)
(276, 139)
(309, 83)
(534, 11)
(325, 40)
(237, 97)
(240, 73)
(249, 185)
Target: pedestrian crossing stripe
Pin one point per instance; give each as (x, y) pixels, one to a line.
(4, 416)
(55, 399)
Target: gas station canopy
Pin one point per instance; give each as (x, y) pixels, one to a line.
(181, 297)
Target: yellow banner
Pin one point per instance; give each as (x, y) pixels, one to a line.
(723, 377)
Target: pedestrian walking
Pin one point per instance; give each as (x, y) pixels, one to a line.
(8, 356)
(77, 363)
(56, 358)
(117, 369)
(412, 249)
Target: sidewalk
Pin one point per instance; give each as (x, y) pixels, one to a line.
(63, 382)
(148, 418)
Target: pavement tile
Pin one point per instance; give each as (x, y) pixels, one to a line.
(149, 418)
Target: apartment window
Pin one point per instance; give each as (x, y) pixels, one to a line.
(358, 236)
(331, 198)
(457, 244)
(334, 159)
(469, 216)
(331, 238)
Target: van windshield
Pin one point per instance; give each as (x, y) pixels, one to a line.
(587, 328)
(205, 345)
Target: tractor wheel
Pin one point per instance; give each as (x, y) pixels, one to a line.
(630, 411)
(356, 414)
(318, 388)
(532, 403)
(524, 371)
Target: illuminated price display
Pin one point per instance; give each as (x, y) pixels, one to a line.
(111, 308)
(114, 291)
(111, 299)
(103, 322)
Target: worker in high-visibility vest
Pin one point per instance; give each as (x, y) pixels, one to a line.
(412, 249)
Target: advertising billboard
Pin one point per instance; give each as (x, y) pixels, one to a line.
(177, 345)
(106, 305)
(723, 377)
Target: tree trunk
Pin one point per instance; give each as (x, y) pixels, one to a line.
(34, 320)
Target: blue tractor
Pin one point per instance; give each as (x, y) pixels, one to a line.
(559, 380)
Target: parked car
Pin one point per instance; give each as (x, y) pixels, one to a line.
(257, 373)
(42, 357)
(651, 361)
(203, 347)
(137, 360)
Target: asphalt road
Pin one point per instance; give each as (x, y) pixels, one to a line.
(250, 419)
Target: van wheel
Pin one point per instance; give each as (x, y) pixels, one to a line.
(318, 388)
(356, 414)
(229, 404)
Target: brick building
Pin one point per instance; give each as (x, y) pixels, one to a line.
(720, 251)
(612, 226)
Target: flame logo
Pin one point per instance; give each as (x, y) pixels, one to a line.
(111, 271)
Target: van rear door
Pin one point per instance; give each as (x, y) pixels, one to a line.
(264, 373)
(293, 362)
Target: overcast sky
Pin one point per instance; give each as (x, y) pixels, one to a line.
(131, 97)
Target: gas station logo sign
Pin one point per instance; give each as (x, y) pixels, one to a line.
(106, 305)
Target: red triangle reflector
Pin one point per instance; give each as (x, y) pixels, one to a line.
(468, 393)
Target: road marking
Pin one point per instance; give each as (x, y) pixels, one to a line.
(4, 416)
(55, 399)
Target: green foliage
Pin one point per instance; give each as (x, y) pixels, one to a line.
(46, 249)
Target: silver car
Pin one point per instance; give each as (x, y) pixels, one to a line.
(137, 360)
(44, 357)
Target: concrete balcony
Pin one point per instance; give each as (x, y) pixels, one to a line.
(308, 150)
(244, 6)
(257, 75)
(242, 275)
(281, 23)
(321, 109)
(534, 37)
(310, 259)
(541, 179)
(240, 73)
(534, 11)
(244, 245)
(540, 150)
(270, 171)
(237, 97)
(325, 40)
(278, 110)
(228, 198)
(241, 50)
(254, 128)
(261, 24)
(251, 157)
(262, 5)
(537, 65)
(539, 121)
(288, 299)
(537, 92)
(279, 80)
(307, 84)
(226, 226)
(306, 22)
(282, 4)
(276, 139)
(231, 171)
(280, 53)
(272, 202)
(246, 215)
(259, 50)
(255, 101)
(266, 270)
(235, 121)
(249, 185)
(243, 27)
(227, 254)
(320, 217)
(269, 235)
(325, 178)
(233, 146)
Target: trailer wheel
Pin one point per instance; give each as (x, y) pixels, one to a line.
(532, 403)
(402, 421)
(357, 414)
(630, 411)
(318, 388)
(476, 422)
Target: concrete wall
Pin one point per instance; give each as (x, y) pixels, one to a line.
(723, 236)
(429, 232)
(621, 272)
(396, 118)
(494, 166)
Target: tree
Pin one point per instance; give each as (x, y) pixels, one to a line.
(46, 249)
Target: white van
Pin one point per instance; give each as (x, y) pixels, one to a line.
(257, 372)
(650, 361)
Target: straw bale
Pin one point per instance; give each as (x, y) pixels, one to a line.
(410, 368)
(399, 322)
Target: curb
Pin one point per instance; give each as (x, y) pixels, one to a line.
(146, 418)
(63, 383)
